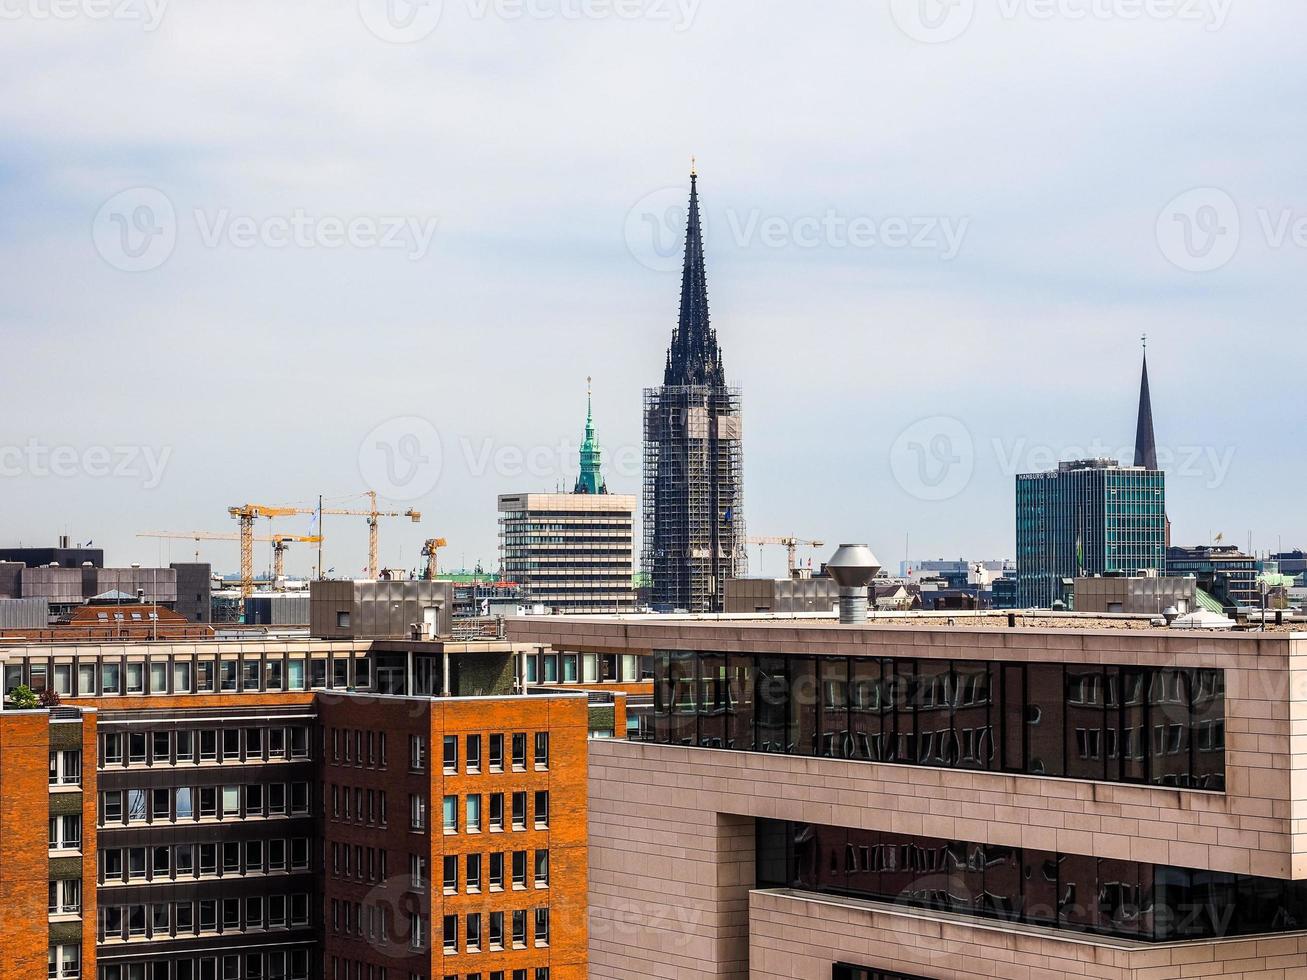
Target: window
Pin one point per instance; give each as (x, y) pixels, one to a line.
(63, 679)
(65, 897)
(519, 928)
(496, 753)
(451, 933)
(135, 678)
(473, 814)
(66, 832)
(542, 927)
(231, 801)
(451, 753)
(417, 753)
(181, 676)
(474, 872)
(496, 811)
(519, 869)
(450, 877)
(496, 873)
(451, 814)
(204, 675)
(249, 675)
(519, 750)
(542, 750)
(136, 805)
(86, 678)
(66, 768)
(519, 810)
(474, 753)
(113, 749)
(111, 673)
(497, 931)
(542, 808)
(136, 748)
(542, 869)
(158, 677)
(417, 811)
(473, 932)
(185, 746)
(161, 748)
(184, 803)
(65, 962)
(111, 806)
(227, 675)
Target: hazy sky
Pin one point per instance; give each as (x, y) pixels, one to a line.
(262, 251)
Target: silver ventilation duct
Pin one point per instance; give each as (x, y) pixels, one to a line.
(853, 566)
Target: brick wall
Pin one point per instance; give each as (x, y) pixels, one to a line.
(24, 861)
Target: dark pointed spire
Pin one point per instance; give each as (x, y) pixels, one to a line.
(694, 357)
(1145, 439)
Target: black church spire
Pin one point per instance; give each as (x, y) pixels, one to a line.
(1145, 439)
(694, 357)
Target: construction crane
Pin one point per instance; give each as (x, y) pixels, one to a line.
(247, 514)
(431, 551)
(791, 546)
(280, 544)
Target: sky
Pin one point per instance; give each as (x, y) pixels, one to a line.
(257, 252)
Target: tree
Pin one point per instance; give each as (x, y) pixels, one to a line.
(23, 697)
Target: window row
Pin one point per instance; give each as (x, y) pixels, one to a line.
(356, 805)
(1128, 899)
(359, 862)
(493, 863)
(88, 678)
(582, 668)
(485, 931)
(495, 747)
(343, 968)
(274, 965)
(232, 802)
(1159, 726)
(468, 819)
(355, 747)
(208, 915)
(168, 748)
(846, 971)
(226, 858)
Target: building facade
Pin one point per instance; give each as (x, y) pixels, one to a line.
(1090, 517)
(1224, 572)
(570, 552)
(819, 801)
(255, 810)
(693, 456)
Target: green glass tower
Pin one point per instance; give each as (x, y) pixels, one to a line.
(590, 480)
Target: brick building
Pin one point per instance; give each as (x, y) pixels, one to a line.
(256, 810)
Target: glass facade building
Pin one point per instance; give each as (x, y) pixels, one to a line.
(1145, 725)
(1087, 518)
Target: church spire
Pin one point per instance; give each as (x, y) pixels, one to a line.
(1145, 439)
(591, 480)
(694, 357)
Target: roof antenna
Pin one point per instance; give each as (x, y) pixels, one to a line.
(694, 166)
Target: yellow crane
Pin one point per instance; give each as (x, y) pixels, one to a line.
(791, 545)
(247, 514)
(431, 551)
(280, 544)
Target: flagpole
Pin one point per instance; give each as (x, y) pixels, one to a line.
(321, 576)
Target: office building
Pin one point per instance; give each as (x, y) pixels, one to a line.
(259, 810)
(1223, 571)
(1137, 594)
(820, 801)
(1090, 517)
(571, 552)
(693, 457)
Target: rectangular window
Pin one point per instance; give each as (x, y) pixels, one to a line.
(158, 677)
(473, 814)
(417, 753)
(451, 934)
(451, 814)
(519, 750)
(496, 872)
(496, 811)
(542, 808)
(449, 880)
(417, 813)
(135, 677)
(519, 869)
(542, 927)
(542, 868)
(474, 753)
(451, 754)
(496, 753)
(519, 810)
(111, 677)
(181, 677)
(473, 872)
(542, 750)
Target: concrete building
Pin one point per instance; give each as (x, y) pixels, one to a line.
(570, 552)
(256, 810)
(821, 801)
(1088, 517)
(783, 595)
(368, 609)
(1223, 571)
(1136, 594)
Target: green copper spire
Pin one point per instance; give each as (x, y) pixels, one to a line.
(590, 480)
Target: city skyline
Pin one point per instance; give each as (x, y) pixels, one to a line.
(267, 368)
